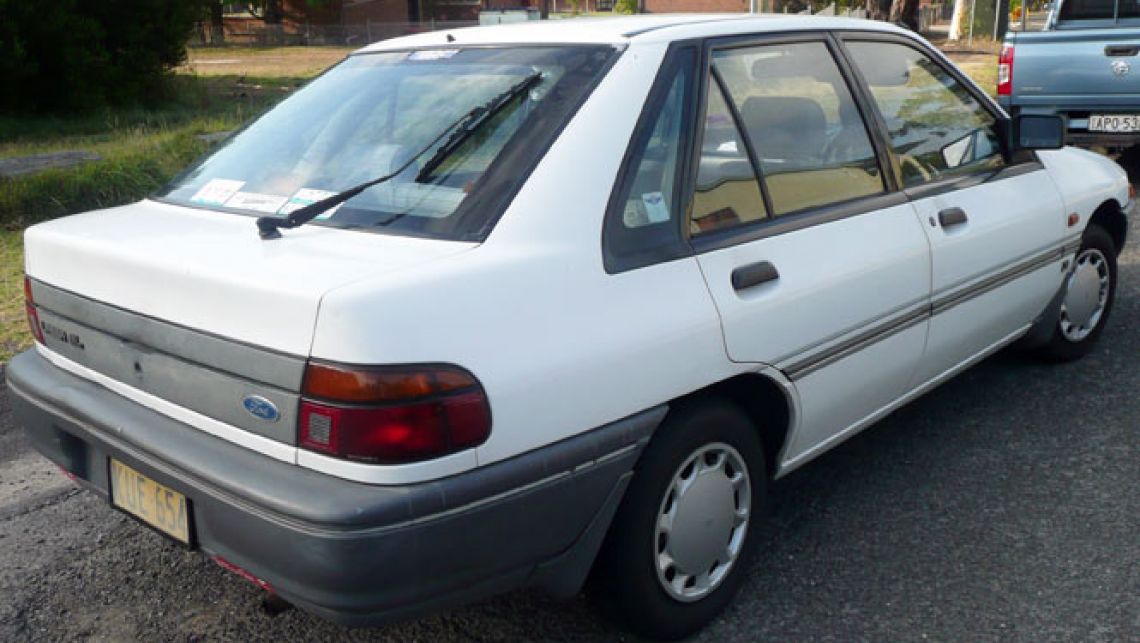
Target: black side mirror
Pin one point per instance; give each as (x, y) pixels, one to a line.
(1038, 132)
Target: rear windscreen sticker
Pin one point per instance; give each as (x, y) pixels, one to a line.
(432, 54)
(308, 196)
(216, 191)
(255, 201)
(655, 209)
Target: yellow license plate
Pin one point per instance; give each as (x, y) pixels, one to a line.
(160, 507)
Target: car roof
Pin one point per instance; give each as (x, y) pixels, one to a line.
(627, 29)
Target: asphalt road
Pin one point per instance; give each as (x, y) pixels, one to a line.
(1004, 505)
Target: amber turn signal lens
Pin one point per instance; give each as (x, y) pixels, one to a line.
(383, 384)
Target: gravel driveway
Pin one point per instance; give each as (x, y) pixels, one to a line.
(1005, 505)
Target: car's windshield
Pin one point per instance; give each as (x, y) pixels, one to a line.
(372, 113)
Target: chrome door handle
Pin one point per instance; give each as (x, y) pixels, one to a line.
(754, 274)
(952, 217)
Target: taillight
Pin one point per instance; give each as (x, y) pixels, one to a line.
(30, 310)
(392, 415)
(1005, 71)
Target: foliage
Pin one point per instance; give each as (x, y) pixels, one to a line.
(74, 55)
(627, 7)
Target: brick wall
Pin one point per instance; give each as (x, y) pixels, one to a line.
(695, 6)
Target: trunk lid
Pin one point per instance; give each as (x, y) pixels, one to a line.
(210, 272)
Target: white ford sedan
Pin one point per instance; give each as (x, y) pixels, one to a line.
(546, 304)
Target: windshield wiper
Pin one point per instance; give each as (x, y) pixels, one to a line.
(472, 121)
(269, 227)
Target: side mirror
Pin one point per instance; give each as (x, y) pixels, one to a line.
(1038, 132)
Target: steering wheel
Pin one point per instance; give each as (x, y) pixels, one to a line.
(915, 166)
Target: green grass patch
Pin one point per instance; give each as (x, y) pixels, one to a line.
(14, 333)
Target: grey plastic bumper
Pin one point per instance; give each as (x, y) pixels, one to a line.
(354, 553)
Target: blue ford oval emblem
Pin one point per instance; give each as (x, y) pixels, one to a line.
(261, 408)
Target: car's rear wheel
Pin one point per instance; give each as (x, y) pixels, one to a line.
(1090, 289)
(680, 543)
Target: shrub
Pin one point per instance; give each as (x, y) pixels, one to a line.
(628, 7)
(72, 55)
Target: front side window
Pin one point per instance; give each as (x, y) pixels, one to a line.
(373, 113)
(812, 145)
(937, 128)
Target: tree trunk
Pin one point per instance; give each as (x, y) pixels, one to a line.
(961, 9)
(544, 9)
(1002, 19)
(905, 13)
(273, 14)
(878, 9)
(217, 27)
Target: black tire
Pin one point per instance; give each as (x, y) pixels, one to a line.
(624, 584)
(1062, 348)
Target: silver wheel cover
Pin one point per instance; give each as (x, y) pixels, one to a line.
(1086, 295)
(702, 522)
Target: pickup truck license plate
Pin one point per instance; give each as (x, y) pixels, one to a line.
(1114, 123)
(158, 506)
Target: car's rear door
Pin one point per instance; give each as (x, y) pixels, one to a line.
(996, 223)
(817, 265)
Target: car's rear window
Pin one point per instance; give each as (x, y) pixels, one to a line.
(373, 113)
(1098, 9)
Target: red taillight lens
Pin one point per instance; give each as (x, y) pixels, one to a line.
(392, 415)
(30, 310)
(1005, 71)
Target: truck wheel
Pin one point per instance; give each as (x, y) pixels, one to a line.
(679, 546)
(1090, 290)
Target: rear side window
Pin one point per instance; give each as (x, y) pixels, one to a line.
(809, 138)
(642, 221)
(937, 128)
(726, 191)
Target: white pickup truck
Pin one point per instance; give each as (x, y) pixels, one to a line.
(535, 304)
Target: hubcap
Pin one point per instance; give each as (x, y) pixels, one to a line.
(702, 522)
(1086, 295)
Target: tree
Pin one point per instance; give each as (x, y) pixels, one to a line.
(878, 9)
(905, 13)
(78, 54)
(961, 9)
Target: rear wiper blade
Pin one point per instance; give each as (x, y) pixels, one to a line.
(472, 121)
(269, 227)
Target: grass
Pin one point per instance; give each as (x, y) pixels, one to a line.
(140, 149)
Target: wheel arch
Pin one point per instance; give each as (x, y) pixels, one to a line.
(1110, 216)
(765, 401)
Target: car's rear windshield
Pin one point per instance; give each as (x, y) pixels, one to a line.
(1099, 9)
(373, 113)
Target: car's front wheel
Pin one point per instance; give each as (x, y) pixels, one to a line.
(1090, 289)
(679, 546)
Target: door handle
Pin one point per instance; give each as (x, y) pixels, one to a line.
(754, 274)
(952, 217)
(1121, 50)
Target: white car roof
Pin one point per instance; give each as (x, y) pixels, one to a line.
(627, 29)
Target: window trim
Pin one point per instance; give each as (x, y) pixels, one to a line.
(777, 224)
(673, 247)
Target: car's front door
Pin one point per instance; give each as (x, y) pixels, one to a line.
(816, 264)
(996, 223)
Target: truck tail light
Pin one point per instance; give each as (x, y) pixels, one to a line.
(30, 311)
(1005, 71)
(392, 415)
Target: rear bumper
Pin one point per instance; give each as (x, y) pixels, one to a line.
(353, 553)
(1077, 119)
